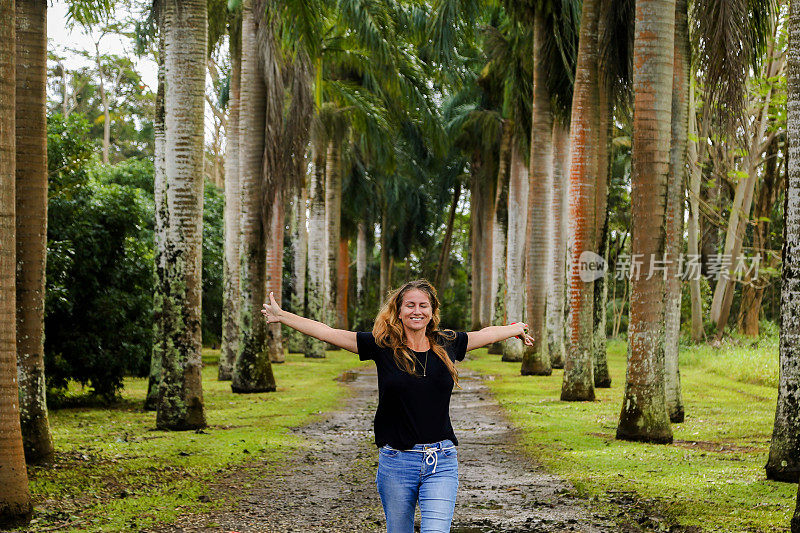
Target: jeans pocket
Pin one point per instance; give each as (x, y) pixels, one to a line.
(452, 452)
(388, 451)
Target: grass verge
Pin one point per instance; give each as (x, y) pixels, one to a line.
(713, 474)
(115, 472)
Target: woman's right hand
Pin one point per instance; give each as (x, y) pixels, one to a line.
(272, 311)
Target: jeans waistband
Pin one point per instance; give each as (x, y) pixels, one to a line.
(431, 451)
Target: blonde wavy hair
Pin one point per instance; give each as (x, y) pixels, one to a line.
(389, 333)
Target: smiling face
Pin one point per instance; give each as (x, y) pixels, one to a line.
(415, 310)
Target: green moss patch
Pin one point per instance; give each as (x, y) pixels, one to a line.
(711, 476)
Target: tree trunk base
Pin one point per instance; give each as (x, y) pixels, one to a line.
(537, 370)
(18, 515)
(38, 444)
(243, 390)
(639, 434)
(603, 382)
(677, 417)
(785, 475)
(496, 348)
(224, 375)
(577, 395)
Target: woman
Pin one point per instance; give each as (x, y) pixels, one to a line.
(417, 459)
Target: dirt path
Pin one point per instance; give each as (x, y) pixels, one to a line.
(330, 486)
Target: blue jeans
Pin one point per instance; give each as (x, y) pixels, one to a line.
(429, 474)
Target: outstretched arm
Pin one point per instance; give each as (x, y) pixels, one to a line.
(491, 334)
(338, 337)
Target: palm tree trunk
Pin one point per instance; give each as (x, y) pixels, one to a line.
(385, 261)
(536, 359)
(275, 274)
(333, 214)
(555, 293)
(159, 199)
(644, 413)
(442, 268)
(15, 499)
(578, 384)
(602, 379)
(480, 239)
(518, 184)
(294, 338)
(31, 198)
(317, 254)
(233, 210)
(252, 371)
(693, 245)
(361, 260)
(179, 285)
(784, 462)
(499, 232)
(674, 230)
(343, 282)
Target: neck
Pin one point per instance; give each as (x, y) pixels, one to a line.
(417, 341)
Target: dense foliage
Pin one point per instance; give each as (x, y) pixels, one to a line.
(100, 263)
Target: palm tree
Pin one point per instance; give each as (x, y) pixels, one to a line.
(518, 184)
(556, 293)
(31, 198)
(644, 414)
(536, 360)
(783, 463)
(295, 339)
(675, 189)
(233, 208)
(15, 500)
(252, 370)
(578, 384)
(177, 297)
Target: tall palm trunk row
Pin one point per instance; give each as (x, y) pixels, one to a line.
(15, 501)
(31, 215)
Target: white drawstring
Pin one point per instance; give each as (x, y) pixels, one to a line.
(431, 457)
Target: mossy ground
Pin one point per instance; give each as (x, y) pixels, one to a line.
(115, 472)
(712, 476)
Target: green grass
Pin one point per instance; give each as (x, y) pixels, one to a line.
(115, 472)
(712, 476)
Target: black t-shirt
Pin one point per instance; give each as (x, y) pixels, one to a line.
(412, 409)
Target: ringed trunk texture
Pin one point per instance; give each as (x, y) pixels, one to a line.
(536, 359)
(159, 196)
(556, 294)
(480, 241)
(31, 199)
(233, 209)
(333, 215)
(674, 244)
(252, 371)
(15, 499)
(294, 338)
(317, 254)
(275, 276)
(644, 413)
(518, 184)
(179, 282)
(499, 239)
(602, 379)
(578, 383)
(784, 461)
